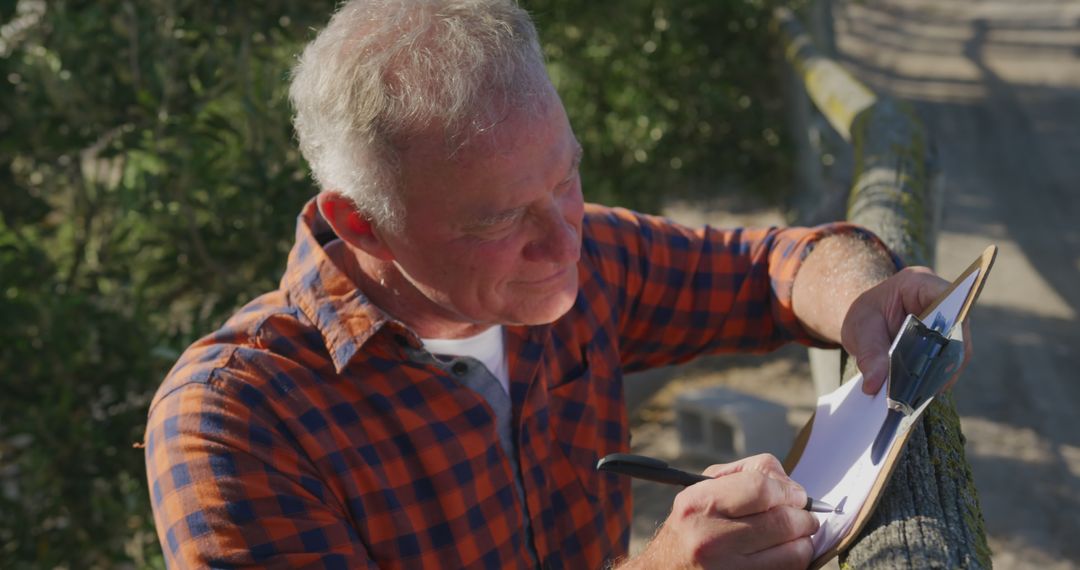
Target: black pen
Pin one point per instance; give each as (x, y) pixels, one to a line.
(652, 469)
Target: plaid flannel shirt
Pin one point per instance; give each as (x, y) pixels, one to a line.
(300, 435)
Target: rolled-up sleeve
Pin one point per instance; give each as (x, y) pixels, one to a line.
(680, 292)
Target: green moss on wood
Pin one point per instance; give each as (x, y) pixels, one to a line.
(945, 439)
(909, 192)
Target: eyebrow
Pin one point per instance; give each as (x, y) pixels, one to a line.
(495, 219)
(579, 152)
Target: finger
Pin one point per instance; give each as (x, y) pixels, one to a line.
(764, 463)
(871, 352)
(748, 492)
(920, 288)
(773, 527)
(797, 553)
(720, 469)
(875, 369)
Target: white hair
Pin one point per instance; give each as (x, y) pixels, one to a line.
(383, 70)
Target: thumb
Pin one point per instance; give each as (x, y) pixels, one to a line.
(872, 357)
(874, 369)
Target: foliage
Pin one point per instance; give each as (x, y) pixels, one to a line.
(150, 186)
(669, 97)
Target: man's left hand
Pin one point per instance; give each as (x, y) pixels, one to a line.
(877, 314)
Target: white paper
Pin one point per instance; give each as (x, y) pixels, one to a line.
(835, 466)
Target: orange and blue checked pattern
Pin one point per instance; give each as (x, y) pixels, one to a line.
(301, 435)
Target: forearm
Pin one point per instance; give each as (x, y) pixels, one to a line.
(677, 292)
(838, 270)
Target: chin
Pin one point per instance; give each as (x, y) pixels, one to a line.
(535, 306)
(555, 312)
(548, 309)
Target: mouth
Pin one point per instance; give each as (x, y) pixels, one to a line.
(549, 280)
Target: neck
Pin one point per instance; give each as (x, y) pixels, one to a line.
(385, 285)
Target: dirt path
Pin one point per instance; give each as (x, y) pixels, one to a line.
(998, 84)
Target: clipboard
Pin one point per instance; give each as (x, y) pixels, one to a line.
(982, 266)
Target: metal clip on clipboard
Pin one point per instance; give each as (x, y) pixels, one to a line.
(921, 361)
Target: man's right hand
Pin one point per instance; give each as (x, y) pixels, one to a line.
(749, 516)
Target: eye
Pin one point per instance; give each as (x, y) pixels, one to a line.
(498, 229)
(502, 225)
(568, 184)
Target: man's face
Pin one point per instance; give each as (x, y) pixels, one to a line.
(492, 235)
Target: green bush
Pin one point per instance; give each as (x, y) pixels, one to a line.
(150, 186)
(669, 97)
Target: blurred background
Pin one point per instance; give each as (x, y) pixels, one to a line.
(149, 185)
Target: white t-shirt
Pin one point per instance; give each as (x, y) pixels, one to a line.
(488, 347)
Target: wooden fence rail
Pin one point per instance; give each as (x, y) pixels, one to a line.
(929, 516)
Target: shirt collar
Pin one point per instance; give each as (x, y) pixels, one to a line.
(344, 316)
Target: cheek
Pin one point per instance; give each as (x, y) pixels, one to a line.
(573, 207)
(499, 263)
(489, 265)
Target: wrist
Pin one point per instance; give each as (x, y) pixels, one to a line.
(839, 269)
(656, 554)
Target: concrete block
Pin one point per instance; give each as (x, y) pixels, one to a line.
(720, 424)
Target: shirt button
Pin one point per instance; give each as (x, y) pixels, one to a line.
(459, 368)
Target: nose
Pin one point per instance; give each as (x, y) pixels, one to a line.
(558, 238)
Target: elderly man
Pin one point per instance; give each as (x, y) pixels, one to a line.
(438, 373)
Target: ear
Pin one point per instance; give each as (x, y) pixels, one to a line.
(351, 226)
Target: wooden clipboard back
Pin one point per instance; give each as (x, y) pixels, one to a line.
(983, 265)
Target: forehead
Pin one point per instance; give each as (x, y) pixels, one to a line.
(499, 128)
(520, 150)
